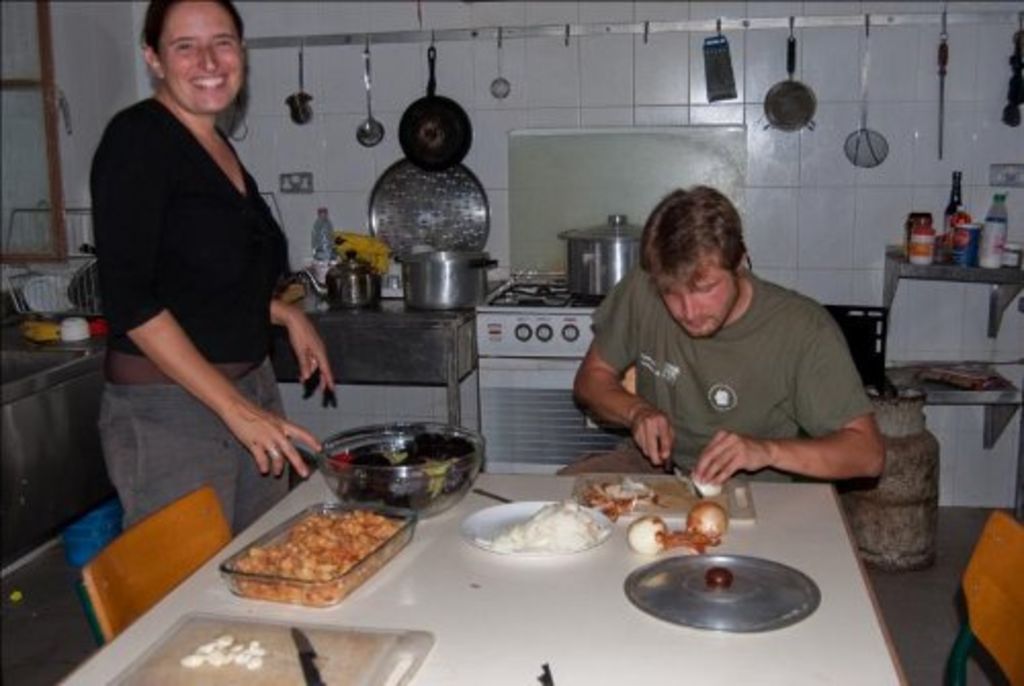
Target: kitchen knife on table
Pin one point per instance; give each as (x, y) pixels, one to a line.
(307, 658)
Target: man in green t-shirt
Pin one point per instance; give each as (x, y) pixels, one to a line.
(732, 372)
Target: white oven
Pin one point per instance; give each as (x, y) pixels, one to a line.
(528, 357)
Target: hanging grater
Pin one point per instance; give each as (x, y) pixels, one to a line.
(718, 69)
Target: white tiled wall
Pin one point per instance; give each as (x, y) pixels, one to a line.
(814, 222)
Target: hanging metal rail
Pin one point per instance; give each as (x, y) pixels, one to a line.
(644, 28)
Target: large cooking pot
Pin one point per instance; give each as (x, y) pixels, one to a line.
(445, 280)
(599, 256)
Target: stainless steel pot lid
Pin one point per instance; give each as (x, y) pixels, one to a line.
(763, 595)
(617, 226)
(443, 210)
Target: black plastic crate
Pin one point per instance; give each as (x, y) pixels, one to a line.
(865, 331)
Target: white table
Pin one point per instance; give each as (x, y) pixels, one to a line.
(497, 619)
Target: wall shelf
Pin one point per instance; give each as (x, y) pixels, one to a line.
(1006, 282)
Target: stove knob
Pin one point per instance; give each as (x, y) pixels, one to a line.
(544, 333)
(524, 332)
(570, 332)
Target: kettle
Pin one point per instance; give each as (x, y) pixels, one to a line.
(352, 283)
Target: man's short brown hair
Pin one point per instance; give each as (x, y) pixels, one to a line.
(689, 228)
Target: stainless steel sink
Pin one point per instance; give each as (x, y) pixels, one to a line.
(52, 462)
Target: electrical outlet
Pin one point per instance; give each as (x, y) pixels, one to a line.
(296, 182)
(1008, 175)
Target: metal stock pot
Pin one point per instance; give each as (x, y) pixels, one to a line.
(445, 279)
(599, 256)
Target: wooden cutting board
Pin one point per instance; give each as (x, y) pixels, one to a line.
(675, 497)
(346, 656)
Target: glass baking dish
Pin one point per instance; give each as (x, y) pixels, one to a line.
(330, 587)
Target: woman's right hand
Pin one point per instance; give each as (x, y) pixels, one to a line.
(268, 437)
(652, 431)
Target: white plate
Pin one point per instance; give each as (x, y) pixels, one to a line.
(47, 293)
(480, 528)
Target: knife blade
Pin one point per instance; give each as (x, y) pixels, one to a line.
(307, 658)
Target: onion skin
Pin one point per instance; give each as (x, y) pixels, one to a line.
(708, 518)
(646, 535)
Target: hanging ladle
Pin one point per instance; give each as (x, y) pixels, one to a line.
(371, 131)
(500, 87)
(298, 103)
(866, 147)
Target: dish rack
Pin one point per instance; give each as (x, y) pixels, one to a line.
(65, 289)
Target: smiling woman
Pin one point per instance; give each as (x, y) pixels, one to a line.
(189, 257)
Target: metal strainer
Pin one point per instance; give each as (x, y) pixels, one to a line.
(866, 147)
(412, 209)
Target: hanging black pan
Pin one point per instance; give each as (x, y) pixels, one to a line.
(790, 104)
(435, 132)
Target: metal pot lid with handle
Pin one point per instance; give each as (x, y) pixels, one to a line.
(755, 594)
(446, 210)
(617, 226)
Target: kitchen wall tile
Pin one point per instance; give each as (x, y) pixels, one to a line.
(826, 224)
(400, 75)
(273, 76)
(698, 81)
(488, 157)
(553, 118)
(717, 9)
(996, 142)
(337, 78)
(765, 61)
(662, 70)
(982, 478)
(348, 166)
(395, 16)
(773, 156)
(866, 287)
(959, 142)
(499, 13)
(787, 278)
(447, 15)
(256, 150)
(717, 114)
(661, 11)
(771, 227)
(388, 151)
(280, 18)
(552, 13)
(774, 9)
(940, 421)
(598, 117)
(513, 69)
(343, 17)
(827, 286)
(600, 12)
(894, 122)
(606, 71)
(827, 8)
(301, 148)
(915, 7)
(879, 216)
(662, 116)
(828, 62)
(893, 69)
(552, 73)
(822, 159)
(923, 321)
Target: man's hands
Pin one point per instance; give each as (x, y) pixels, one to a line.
(728, 453)
(652, 432)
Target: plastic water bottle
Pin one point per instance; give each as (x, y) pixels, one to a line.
(993, 236)
(323, 237)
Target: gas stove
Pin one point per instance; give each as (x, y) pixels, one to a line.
(535, 315)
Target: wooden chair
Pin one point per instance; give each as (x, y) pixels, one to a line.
(993, 586)
(151, 557)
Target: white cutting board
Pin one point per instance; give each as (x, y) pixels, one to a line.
(345, 656)
(675, 497)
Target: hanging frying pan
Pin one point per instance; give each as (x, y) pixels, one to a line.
(790, 104)
(435, 132)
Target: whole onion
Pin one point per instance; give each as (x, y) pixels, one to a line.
(707, 518)
(645, 535)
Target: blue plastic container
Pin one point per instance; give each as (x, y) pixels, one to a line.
(90, 534)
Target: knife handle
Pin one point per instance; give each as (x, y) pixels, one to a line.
(943, 57)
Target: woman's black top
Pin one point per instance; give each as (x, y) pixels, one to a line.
(173, 233)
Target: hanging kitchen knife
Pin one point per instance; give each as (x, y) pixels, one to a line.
(943, 61)
(307, 658)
